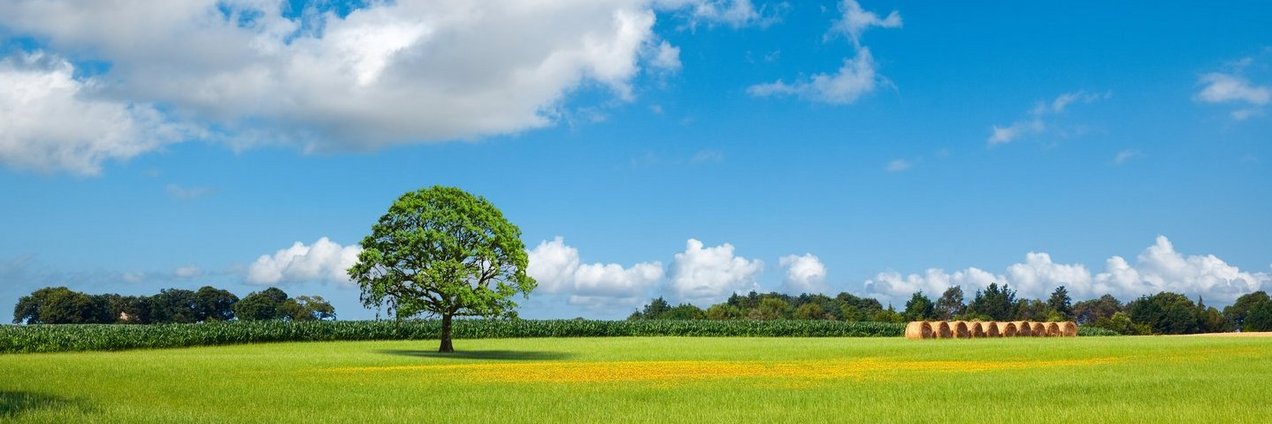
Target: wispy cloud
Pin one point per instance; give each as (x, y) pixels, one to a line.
(899, 165)
(1038, 119)
(1126, 155)
(1232, 87)
(180, 192)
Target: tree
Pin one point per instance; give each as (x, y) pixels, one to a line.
(811, 311)
(998, 304)
(1165, 313)
(655, 309)
(1238, 314)
(306, 308)
(770, 308)
(724, 311)
(60, 305)
(213, 304)
(1061, 303)
(446, 252)
(684, 311)
(174, 305)
(919, 308)
(1090, 311)
(950, 305)
(1119, 322)
(261, 306)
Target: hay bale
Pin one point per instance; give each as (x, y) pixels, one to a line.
(942, 330)
(918, 330)
(1023, 329)
(1068, 329)
(991, 329)
(1006, 329)
(960, 330)
(1038, 330)
(1053, 329)
(976, 329)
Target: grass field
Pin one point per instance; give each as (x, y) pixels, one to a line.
(661, 379)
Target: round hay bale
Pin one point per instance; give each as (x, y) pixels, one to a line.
(1006, 329)
(976, 329)
(960, 330)
(1023, 329)
(918, 330)
(1068, 329)
(942, 330)
(991, 329)
(1038, 330)
(1053, 329)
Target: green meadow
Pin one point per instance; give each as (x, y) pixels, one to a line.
(654, 379)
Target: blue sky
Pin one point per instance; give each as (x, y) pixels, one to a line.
(682, 148)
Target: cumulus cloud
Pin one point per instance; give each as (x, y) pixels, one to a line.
(855, 78)
(734, 13)
(322, 261)
(804, 274)
(1038, 120)
(1158, 268)
(387, 73)
(557, 268)
(709, 274)
(54, 121)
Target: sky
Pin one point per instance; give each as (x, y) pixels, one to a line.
(688, 149)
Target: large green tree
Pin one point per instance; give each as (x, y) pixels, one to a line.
(445, 252)
(919, 308)
(995, 303)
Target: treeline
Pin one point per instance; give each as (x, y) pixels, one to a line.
(60, 305)
(1161, 313)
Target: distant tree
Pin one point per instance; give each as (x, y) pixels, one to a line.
(1121, 323)
(445, 252)
(174, 305)
(1034, 310)
(811, 311)
(724, 311)
(770, 308)
(1061, 303)
(1259, 318)
(950, 305)
(684, 311)
(60, 305)
(135, 310)
(1238, 313)
(887, 315)
(306, 308)
(919, 307)
(1209, 319)
(997, 303)
(853, 308)
(261, 306)
(1165, 313)
(213, 304)
(1090, 311)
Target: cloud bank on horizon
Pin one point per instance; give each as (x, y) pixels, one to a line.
(705, 275)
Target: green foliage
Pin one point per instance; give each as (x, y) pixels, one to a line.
(1251, 312)
(444, 252)
(174, 305)
(1061, 303)
(997, 303)
(65, 338)
(1090, 311)
(213, 304)
(724, 311)
(261, 306)
(1166, 313)
(1121, 323)
(60, 305)
(950, 306)
(307, 308)
(919, 307)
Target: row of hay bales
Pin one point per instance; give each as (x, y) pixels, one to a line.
(976, 329)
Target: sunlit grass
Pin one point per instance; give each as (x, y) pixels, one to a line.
(668, 379)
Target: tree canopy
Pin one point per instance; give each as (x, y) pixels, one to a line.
(445, 252)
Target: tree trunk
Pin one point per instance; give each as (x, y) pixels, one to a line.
(446, 335)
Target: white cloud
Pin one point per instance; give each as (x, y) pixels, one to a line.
(734, 13)
(1158, 268)
(854, 79)
(709, 274)
(856, 20)
(189, 271)
(899, 165)
(804, 274)
(557, 268)
(1038, 117)
(323, 261)
(1125, 155)
(1233, 88)
(409, 71)
(53, 121)
(667, 57)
